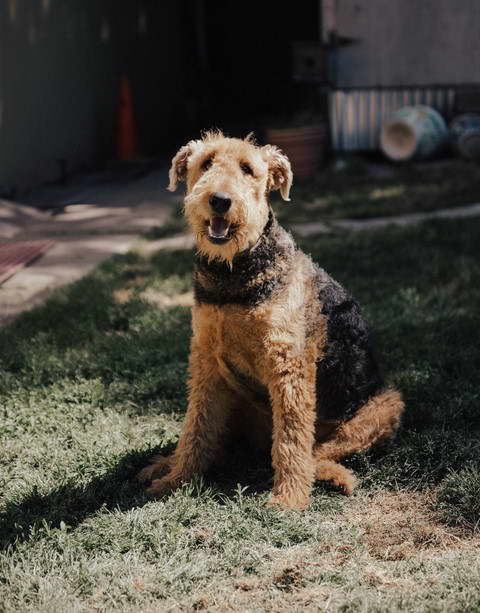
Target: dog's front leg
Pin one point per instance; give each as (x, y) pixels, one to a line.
(208, 409)
(292, 396)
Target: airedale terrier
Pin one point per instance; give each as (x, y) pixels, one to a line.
(280, 352)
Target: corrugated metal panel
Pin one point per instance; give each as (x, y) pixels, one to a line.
(357, 115)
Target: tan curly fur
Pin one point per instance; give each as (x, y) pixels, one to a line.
(254, 361)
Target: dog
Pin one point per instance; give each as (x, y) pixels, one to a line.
(280, 355)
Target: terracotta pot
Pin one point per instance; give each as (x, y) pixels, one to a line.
(306, 147)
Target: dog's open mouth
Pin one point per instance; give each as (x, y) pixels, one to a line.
(219, 230)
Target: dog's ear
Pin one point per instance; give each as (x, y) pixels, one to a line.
(178, 169)
(280, 174)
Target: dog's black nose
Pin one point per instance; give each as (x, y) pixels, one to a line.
(220, 202)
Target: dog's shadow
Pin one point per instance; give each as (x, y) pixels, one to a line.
(70, 504)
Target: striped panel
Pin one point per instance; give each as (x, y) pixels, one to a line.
(357, 115)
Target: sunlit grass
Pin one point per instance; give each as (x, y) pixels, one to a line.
(93, 383)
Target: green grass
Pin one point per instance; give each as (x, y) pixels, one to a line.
(355, 194)
(93, 383)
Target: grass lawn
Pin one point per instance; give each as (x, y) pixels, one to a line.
(93, 383)
(354, 193)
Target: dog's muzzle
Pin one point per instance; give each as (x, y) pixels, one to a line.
(219, 230)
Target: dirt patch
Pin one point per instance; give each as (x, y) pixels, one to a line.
(289, 579)
(397, 525)
(163, 300)
(121, 296)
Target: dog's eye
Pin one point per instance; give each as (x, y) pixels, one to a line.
(206, 164)
(246, 169)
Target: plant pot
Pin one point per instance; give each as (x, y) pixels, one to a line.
(306, 147)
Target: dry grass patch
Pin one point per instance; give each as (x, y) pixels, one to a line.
(164, 300)
(399, 525)
(122, 296)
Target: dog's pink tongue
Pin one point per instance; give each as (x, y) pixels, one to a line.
(218, 227)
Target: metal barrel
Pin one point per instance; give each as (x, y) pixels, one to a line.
(413, 132)
(465, 135)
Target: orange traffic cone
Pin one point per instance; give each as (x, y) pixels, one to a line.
(126, 129)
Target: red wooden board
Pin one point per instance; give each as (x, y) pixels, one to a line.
(14, 256)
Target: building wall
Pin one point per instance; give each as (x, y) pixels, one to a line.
(405, 42)
(60, 62)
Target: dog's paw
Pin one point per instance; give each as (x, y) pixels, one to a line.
(159, 487)
(337, 475)
(159, 467)
(282, 502)
(346, 485)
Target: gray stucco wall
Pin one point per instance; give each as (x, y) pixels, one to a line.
(57, 86)
(408, 42)
(60, 62)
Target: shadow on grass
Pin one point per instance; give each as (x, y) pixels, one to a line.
(77, 315)
(71, 504)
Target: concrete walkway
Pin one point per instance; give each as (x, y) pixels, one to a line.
(377, 223)
(85, 234)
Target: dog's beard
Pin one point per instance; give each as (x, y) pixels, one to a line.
(222, 240)
(238, 241)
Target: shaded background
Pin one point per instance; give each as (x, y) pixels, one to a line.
(194, 64)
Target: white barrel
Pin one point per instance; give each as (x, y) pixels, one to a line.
(413, 132)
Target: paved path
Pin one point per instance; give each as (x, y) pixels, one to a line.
(307, 229)
(85, 234)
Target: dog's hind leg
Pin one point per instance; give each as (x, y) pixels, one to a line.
(374, 422)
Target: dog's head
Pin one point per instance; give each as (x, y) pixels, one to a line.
(228, 181)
